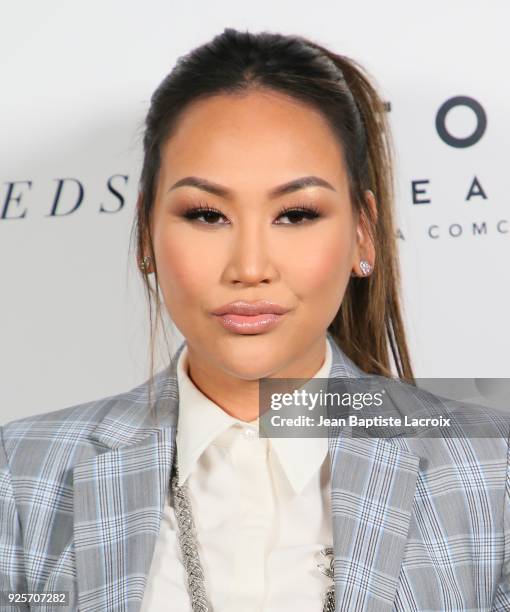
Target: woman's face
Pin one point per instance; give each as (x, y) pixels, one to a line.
(244, 150)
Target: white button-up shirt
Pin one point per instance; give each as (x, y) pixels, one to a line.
(261, 507)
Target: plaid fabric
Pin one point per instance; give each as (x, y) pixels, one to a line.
(418, 523)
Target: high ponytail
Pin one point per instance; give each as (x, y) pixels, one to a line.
(378, 296)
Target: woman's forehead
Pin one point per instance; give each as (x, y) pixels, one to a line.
(258, 133)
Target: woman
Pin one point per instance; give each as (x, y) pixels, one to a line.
(265, 221)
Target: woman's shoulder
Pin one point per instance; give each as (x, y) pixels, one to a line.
(475, 429)
(26, 443)
(444, 430)
(79, 417)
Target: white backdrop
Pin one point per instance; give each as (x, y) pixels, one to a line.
(76, 82)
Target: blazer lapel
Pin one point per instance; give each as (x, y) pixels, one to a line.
(372, 491)
(119, 496)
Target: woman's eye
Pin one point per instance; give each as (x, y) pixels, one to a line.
(295, 215)
(210, 214)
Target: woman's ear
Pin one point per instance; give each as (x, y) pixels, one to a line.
(365, 245)
(370, 199)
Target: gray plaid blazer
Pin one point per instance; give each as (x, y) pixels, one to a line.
(418, 523)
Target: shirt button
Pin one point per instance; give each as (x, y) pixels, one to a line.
(249, 434)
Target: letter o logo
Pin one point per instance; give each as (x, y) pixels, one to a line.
(481, 122)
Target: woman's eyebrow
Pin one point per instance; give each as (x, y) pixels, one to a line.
(219, 190)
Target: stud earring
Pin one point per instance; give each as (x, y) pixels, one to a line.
(144, 266)
(366, 268)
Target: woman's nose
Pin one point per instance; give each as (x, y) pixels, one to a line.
(250, 258)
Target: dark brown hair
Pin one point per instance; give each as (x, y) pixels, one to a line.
(368, 326)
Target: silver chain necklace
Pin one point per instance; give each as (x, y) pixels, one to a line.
(189, 548)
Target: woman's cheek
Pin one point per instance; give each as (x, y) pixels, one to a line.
(322, 268)
(186, 270)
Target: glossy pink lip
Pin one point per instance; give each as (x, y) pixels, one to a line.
(249, 324)
(251, 308)
(250, 317)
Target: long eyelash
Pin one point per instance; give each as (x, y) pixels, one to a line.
(308, 208)
(196, 211)
(191, 213)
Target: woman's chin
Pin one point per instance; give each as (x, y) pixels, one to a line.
(252, 358)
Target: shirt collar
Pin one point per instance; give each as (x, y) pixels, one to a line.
(202, 420)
